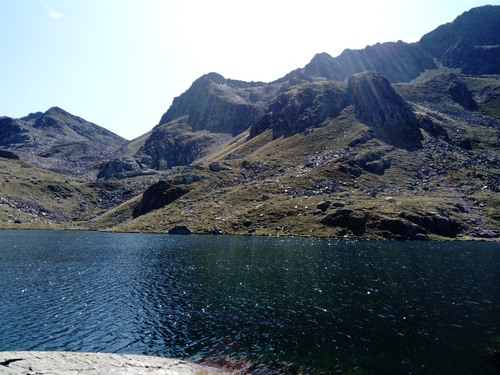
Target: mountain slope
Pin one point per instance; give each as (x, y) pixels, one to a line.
(471, 42)
(60, 141)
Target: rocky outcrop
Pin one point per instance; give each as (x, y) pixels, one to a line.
(401, 229)
(302, 106)
(33, 362)
(174, 144)
(347, 220)
(157, 196)
(379, 106)
(437, 223)
(375, 101)
(221, 105)
(118, 167)
(180, 229)
(8, 155)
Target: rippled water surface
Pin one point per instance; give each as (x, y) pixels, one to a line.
(329, 306)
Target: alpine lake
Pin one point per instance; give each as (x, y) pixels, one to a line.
(257, 304)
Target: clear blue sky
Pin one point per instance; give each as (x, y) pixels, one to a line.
(120, 63)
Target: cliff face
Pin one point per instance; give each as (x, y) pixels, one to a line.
(471, 42)
(173, 144)
(302, 106)
(220, 105)
(387, 113)
(375, 102)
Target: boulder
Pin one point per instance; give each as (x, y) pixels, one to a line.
(180, 229)
(346, 219)
(117, 166)
(216, 231)
(402, 229)
(435, 223)
(215, 167)
(8, 155)
(323, 206)
(158, 195)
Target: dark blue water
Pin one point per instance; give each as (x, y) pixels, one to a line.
(363, 307)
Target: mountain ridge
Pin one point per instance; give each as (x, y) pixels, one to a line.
(406, 152)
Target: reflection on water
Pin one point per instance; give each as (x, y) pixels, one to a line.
(331, 306)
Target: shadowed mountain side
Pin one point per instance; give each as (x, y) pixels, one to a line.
(471, 42)
(397, 61)
(221, 105)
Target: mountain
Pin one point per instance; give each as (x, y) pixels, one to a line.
(397, 140)
(59, 141)
(470, 43)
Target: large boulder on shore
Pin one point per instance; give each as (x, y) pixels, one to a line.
(346, 219)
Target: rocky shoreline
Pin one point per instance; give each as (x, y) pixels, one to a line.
(27, 362)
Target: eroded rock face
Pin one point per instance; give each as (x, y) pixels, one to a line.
(174, 144)
(220, 105)
(462, 44)
(302, 106)
(379, 106)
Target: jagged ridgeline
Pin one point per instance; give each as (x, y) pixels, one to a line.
(398, 140)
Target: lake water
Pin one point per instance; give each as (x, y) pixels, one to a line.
(312, 305)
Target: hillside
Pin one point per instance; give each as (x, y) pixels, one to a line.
(396, 141)
(59, 141)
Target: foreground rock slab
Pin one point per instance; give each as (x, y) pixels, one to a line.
(67, 363)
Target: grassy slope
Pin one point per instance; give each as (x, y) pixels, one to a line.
(278, 194)
(35, 198)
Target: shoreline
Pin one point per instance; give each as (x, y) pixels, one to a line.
(59, 362)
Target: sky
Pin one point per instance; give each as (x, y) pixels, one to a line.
(120, 63)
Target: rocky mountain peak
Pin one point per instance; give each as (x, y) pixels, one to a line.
(471, 42)
(219, 105)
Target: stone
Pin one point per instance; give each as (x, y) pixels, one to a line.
(323, 205)
(180, 229)
(487, 233)
(346, 219)
(216, 231)
(68, 363)
(8, 155)
(215, 167)
(157, 196)
(403, 229)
